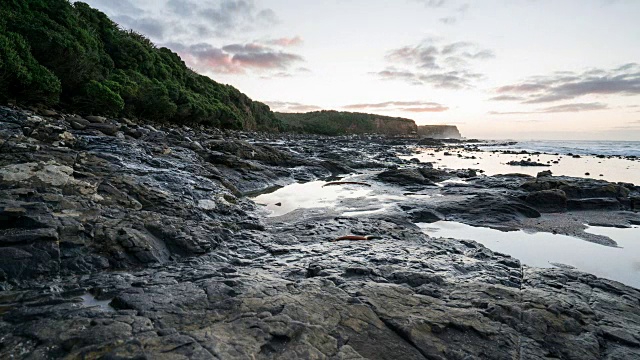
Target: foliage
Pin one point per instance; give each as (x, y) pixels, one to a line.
(99, 97)
(20, 73)
(53, 52)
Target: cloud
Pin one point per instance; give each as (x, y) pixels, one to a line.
(463, 8)
(244, 48)
(284, 106)
(121, 6)
(407, 106)
(145, 25)
(506, 98)
(235, 58)
(441, 65)
(521, 88)
(449, 20)
(180, 7)
(235, 15)
(194, 19)
(266, 59)
(197, 31)
(567, 85)
(577, 107)
(459, 13)
(206, 57)
(433, 3)
(285, 42)
(630, 125)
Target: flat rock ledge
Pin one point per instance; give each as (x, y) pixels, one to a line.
(130, 240)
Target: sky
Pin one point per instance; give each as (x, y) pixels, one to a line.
(497, 69)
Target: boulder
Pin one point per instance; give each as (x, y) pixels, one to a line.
(594, 204)
(425, 215)
(526, 163)
(434, 175)
(406, 176)
(466, 173)
(486, 208)
(578, 187)
(96, 119)
(47, 112)
(77, 125)
(107, 129)
(548, 200)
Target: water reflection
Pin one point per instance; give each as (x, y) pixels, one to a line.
(89, 300)
(546, 250)
(348, 199)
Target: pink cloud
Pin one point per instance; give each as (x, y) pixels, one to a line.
(235, 58)
(286, 42)
(408, 106)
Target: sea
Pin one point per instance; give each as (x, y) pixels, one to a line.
(564, 147)
(623, 166)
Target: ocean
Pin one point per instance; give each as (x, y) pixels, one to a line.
(623, 167)
(576, 147)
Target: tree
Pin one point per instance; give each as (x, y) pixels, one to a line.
(75, 57)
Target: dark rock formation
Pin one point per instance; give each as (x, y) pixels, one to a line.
(484, 208)
(526, 163)
(548, 200)
(141, 243)
(414, 176)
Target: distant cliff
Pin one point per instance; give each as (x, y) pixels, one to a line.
(330, 122)
(439, 132)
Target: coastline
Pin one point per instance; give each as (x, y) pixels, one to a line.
(131, 238)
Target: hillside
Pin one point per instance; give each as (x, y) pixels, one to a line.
(330, 122)
(73, 57)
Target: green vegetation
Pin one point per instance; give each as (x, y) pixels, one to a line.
(73, 57)
(329, 122)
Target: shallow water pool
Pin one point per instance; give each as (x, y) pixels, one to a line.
(347, 199)
(541, 249)
(89, 300)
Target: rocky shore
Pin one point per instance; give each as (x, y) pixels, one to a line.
(122, 239)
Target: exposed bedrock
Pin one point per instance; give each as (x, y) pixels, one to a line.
(121, 239)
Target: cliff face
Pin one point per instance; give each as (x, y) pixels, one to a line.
(395, 126)
(329, 122)
(439, 131)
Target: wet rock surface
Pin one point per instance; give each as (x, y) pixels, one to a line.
(526, 163)
(129, 240)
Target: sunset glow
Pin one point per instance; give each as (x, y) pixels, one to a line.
(496, 69)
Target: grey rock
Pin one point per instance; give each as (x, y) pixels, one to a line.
(96, 119)
(548, 200)
(405, 177)
(107, 129)
(144, 247)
